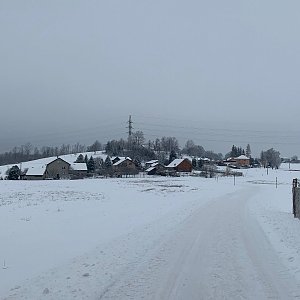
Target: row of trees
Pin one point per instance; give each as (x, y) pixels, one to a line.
(237, 151)
(268, 158)
(164, 149)
(192, 149)
(136, 141)
(28, 152)
(99, 166)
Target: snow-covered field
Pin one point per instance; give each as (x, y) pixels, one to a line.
(150, 238)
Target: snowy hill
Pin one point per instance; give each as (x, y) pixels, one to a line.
(70, 158)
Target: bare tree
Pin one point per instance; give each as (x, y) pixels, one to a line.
(169, 143)
(192, 149)
(27, 149)
(138, 138)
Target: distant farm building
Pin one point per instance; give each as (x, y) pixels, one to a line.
(56, 169)
(180, 165)
(155, 169)
(150, 163)
(124, 166)
(240, 161)
(78, 170)
(35, 173)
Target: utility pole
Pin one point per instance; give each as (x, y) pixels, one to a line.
(129, 132)
(129, 127)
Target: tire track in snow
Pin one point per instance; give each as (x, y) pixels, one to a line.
(219, 252)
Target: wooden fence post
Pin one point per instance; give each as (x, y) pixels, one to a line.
(295, 185)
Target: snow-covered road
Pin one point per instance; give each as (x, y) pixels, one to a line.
(219, 252)
(150, 238)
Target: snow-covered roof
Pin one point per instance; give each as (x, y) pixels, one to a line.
(153, 161)
(155, 164)
(190, 158)
(230, 159)
(150, 169)
(79, 166)
(242, 157)
(38, 170)
(152, 166)
(121, 160)
(60, 159)
(205, 159)
(175, 162)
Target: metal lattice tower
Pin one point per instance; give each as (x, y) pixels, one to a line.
(130, 128)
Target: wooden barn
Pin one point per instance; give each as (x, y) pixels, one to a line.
(124, 166)
(180, 165)
(57, 169)
(156, 169)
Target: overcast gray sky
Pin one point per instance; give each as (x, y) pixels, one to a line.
(219, 72)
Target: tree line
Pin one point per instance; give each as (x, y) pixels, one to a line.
(28, 152)
(164, 149)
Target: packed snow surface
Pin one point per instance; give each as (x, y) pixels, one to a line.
(151, 238)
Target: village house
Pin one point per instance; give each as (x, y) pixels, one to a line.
(180, 165)
(115, 159)
(35, 173)
(243, 161)
(156, 169)
(124, 166)
(78, 170)
(240, 161)
(150, 163)
(56, 169)
(230, 161)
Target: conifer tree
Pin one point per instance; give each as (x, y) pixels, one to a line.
(194, 163)
(248, 151)
(80, 159)
(91, 165)
(172, 156)
(14, 173)
(107, 163)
